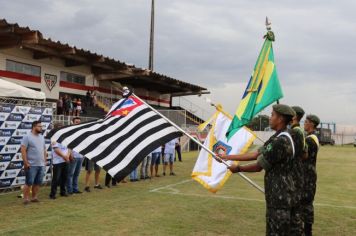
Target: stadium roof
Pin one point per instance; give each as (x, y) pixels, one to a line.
(104, 68)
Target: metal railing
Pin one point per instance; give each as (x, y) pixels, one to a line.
(191, 107)
(67, 120)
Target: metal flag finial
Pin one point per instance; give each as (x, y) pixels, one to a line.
(268, 24)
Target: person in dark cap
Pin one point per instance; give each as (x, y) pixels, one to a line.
(310, 176)
(298, 137)
(276, 159)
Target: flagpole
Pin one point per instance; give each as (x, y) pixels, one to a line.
(200, 144)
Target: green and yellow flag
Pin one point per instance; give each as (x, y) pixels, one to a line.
(262, 89)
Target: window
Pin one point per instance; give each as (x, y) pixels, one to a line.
(23, 68)
(73, 78)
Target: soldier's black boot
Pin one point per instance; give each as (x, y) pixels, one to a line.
(308, 229)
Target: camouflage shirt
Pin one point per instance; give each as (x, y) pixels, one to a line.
(309, 167)
(297, 171)
(276, 160)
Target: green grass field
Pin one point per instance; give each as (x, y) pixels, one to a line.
(175, 205)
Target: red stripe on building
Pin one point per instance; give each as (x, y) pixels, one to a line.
(20, 76)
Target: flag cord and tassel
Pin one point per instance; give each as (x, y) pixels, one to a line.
(200, 144)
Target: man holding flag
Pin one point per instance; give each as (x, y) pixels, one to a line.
(276, 158)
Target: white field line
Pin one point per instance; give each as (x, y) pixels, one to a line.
(174, 191)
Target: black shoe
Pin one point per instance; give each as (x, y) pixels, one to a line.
(164, 173)
(142, 177)
(64, 195)
(52, 197)
(98, 186)
(77, 192)
(172, 173)
(114, 185)
(147, 177)
(108, 186)
(87, 189)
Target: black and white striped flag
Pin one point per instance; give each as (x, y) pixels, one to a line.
(119, 142)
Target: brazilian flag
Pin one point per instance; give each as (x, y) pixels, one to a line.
(262, 89)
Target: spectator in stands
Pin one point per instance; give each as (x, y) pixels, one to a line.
(61, 156)
(89, 167)
(69, 105)
(178, 150)
(94, 99)
(78, 107)
(88, 99)
(169, 152)
(155, 161)
(34, 155)
(74, 104)
(60, 106)
(144, 167)
(65, 105)
(74, 167)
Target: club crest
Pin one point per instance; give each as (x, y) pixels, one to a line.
(50, 80)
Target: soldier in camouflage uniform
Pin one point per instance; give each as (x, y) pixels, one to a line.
(298, 137)
(276, 159)
(309, 168)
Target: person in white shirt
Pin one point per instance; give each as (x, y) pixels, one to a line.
(169, 152)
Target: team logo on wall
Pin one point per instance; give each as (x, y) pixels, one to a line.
(50, 80)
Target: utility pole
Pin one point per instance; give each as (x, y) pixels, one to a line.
(150, 61)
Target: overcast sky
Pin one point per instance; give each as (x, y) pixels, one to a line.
(215, 44)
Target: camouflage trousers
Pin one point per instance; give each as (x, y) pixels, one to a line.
(308, 212)
(278, 221)
(296, 221)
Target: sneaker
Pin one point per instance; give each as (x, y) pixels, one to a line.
(35, 200)
(172, 173)
(98, 186)
(87, 189)
(77, 192)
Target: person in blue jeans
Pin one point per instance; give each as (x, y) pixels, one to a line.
(34, 155)
(74, 167)
(134, 176)
(155, 161)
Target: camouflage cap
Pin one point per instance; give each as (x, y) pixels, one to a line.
(314, 119)
(284, 110)
(298, 110)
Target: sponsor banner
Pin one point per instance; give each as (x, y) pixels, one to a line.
(6, 157)
(10, 124)
(4, 116)
(15, 123)
(5, 183)
(10, 174)
(6, 108)
(21, 110)
(32, 117)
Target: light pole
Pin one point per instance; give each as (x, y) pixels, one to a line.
(150, 60)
